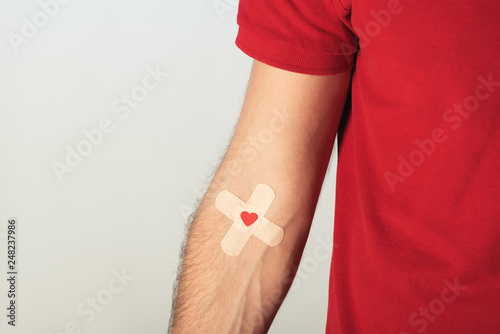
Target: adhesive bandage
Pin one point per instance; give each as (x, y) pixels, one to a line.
(248, 218)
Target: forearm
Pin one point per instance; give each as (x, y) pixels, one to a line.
(240, 294)
(219, 293)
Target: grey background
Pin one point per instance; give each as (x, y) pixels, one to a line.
(125, 205)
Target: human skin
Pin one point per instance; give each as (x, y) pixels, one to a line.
(219, 293)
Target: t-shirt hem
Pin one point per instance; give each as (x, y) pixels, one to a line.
(292, 58)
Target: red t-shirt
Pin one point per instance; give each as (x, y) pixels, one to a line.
(417, 215)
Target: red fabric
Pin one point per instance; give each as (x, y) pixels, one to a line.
(417, 217)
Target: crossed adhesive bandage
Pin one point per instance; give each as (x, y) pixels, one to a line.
(248, 219)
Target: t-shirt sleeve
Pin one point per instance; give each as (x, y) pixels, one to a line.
(296, 35)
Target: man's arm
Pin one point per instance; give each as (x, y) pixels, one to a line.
(283, 139)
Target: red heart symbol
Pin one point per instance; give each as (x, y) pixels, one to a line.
(248, 218)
